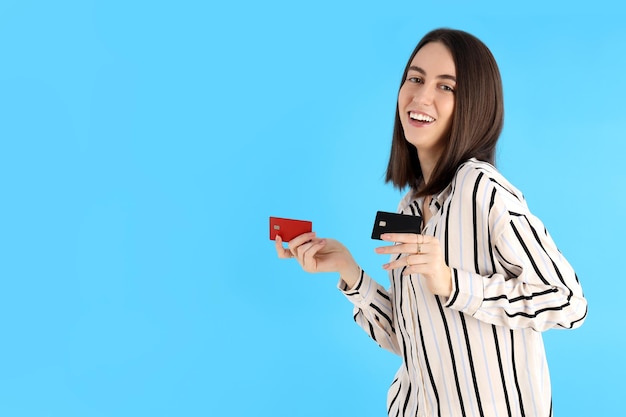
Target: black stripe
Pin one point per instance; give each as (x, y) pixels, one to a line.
(372, 335)
(580, 319)
(556, 268)
(428, 368)
(419, 211)
(401, 299)
(489, 244)
(475, 220)
(506, 392)
(402, 328)
(508, 271)
(528, 255)
(413, 345)
(511, 273)
(523, 297)
(519, 391)
(360, 281)
(382, 294)
(538, 312)
(446, 232)
(538, 239)
(375, 307)
(355, 290)
(505, 189)
(451, 350)
(550, 407)
(406, 401)
(396, 396)
(404, 356)
(471, 363)
(456, 286)
(385, 296)
(516, 214)
(446, 248)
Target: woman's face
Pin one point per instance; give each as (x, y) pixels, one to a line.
(426, 99)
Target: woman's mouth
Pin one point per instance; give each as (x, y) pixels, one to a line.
(421, 118)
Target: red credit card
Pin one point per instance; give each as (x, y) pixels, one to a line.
(288, 229)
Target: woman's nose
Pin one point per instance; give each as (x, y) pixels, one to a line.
(424, 96)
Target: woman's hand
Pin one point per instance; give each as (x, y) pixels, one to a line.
(423, 256)
(320, 255)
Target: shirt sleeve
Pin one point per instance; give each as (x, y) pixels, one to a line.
(373, 310)
(531, 286)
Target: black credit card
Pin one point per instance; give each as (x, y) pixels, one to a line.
(395, 223)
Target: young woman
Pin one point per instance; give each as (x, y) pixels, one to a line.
(471, 293)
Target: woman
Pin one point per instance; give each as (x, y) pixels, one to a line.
(471, 293)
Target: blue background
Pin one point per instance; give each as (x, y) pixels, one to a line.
(144, 144)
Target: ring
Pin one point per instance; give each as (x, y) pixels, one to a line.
(407, 261)
(419, 248)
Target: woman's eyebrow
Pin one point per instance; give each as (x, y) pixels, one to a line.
(442, 76)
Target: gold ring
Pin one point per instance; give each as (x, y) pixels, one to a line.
(407, 261)
(419, 248)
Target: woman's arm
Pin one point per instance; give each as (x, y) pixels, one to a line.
(372, 304)
(530, 283)
(519, 280)
(534, 286)
(373, 310)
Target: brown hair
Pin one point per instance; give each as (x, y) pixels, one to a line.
(477, 119)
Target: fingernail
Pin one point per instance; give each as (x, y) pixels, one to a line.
(386, 266)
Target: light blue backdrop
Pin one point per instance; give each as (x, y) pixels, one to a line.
(143, 145)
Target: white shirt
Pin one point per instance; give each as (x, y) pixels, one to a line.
(479, 352)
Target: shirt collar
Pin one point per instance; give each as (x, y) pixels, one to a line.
(442, 196)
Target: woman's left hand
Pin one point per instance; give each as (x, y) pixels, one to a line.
(423, 256)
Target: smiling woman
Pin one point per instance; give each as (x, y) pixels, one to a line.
(471, 293)
(426, 102)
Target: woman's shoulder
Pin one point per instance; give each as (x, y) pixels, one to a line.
(473, 171)
(480, 176)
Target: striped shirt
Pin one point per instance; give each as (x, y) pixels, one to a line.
(480, 351)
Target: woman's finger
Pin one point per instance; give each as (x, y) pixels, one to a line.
(282, 252)
(309, 262)
(301, 250)
(409, 261)
(406, 238)
(408, 243)
(409, 248)
(299, 240)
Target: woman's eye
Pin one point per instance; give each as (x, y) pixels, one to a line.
(416, 80)
(446, 88)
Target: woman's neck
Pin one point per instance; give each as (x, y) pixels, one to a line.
(427, 166)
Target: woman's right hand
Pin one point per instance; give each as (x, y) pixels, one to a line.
(320, 255)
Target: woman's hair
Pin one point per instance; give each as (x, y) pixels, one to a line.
(477, 119)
